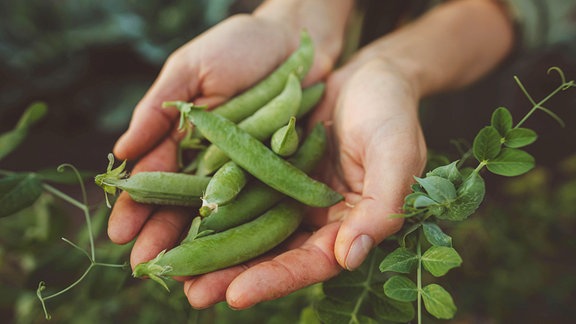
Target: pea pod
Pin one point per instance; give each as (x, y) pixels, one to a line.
(310, 98)
(261, 125)
(258, 160)
(284, 141)
(163, 188)
(257, 197)
(225, 249)
(223, 187)
(245, 104)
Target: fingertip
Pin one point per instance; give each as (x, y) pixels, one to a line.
(126, 219)
(361, 231)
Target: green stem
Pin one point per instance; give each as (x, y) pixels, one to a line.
(419, 278)
(536, 105)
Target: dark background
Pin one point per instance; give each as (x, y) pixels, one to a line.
(91, 61)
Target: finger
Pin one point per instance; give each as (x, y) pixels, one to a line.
(310, 263)
(127, 216)
(150, 122)
(208, 289)
(162, 231)
(368, 216)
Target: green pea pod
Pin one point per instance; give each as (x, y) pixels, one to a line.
(310, 98)
(163, 188)
(261, 125)
(223, 187)
(258, 160)
(246, 104)
(284, 141)
(221, 250)
(257, 197)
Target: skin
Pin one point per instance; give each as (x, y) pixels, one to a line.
(371, 103)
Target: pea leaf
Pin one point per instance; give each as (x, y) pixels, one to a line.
(12, 139)
(511, 162)
(423, 201)
(438, 260)
(520, 137)
(401, 288)
(435, 235)
(439, 189)
(438, 302)
(357, 297)
(502, 120)
(18, 192)
(470, 195)
(487, 144)
(400, 260)
(332, 311)
(449, 172)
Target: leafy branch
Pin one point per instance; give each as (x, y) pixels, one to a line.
(19, 190)
(450, 192)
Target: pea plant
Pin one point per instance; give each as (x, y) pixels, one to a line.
(19, 190)
(388, 285)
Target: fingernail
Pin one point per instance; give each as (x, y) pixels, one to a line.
(358, 251)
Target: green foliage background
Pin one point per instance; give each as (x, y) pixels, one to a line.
(91, 61)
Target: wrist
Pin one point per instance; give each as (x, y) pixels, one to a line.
(449, 47)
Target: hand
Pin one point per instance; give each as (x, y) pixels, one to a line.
(206, 71)
(378, 149)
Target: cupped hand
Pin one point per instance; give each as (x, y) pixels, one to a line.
(378, 147)
(208, 70)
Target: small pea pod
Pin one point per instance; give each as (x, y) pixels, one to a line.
(257, 197)
(261, 125)
(258, 160)
(245, 104)
(223, 187)
(221, 250)
(284, 141)
(154, 187)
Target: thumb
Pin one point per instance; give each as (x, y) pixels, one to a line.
(365, 224)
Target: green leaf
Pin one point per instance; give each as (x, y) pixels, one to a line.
(357, 296)
(449, 172)
(502, 120)
(332, 311)
(470, 195)
(400, 260)
(438, 302)
(423, 201)
(438, 260)
(401, 288)
(520, 137)
(487, 144)
(9, 141)
(439, 189)
(435, 235)
(511, 162)
(392, 310)
(18, 192)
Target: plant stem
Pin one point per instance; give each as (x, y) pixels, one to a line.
(537, 105)
(419, 278)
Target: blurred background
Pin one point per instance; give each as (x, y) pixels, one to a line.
(91, 61)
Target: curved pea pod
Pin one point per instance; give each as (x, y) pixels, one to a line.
(261, 125)
(258, 197)
(248, 102)
(221, 250)
(258, 160)
(223, 187)
(155, 187)
(285, 140)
